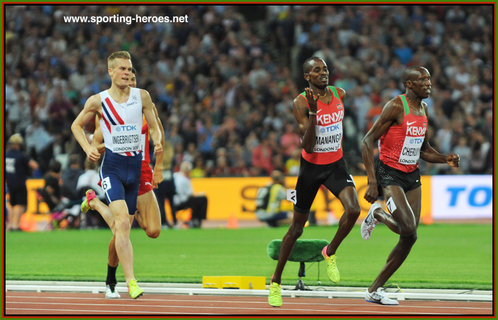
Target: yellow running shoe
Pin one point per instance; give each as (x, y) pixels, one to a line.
(85, 205)
(332, 270)
(134, 290)
(275, 296)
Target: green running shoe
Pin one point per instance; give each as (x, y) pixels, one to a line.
(332, 270)
(134, 290)
(275, 296)
(85, 205)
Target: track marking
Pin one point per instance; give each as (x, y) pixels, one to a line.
(332, 306)
(119, 302)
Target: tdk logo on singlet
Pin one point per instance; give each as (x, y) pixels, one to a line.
(126, 128)
(415, 131)
(416, 140)
(326, 119)
(331, 128)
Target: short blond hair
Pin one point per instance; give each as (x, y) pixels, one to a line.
(117, 55)
(16, 139)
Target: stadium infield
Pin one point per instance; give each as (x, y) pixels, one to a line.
(446, 256)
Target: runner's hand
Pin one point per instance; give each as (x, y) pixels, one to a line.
(158, 148)
(312, 99)
(453, 160)
(93, 153)
(101, 148)
(372, 192)
(157, 178)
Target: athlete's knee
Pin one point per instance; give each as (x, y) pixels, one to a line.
(408, 228)
(409, 238)
(352, 213)
(122, 224)
(295, 230)
(153, 232)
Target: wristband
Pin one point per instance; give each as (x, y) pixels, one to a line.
(312, 113)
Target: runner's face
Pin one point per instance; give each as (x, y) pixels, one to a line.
(121, 72)
(319, 74)
(421, 84)
(133, 81)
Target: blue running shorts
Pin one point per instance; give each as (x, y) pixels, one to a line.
(120, 178)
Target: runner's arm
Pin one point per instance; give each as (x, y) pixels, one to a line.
(306, 121)
(158, 166)
(98, 137)
(148, 111)
(91, 108)
(388, 117)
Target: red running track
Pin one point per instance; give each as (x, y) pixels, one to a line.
(71, 304)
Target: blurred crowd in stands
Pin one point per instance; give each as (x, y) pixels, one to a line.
(224, 82)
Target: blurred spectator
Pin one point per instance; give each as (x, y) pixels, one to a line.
(59, 111)
(221, 168)
(293, 163)
(262, 158)
(375, 111)
(174, 137)
(166, 189)
(205, 136)
(231, 73)
(240, 169)
(51, 192)
(41, 109)
(403, 51)
(278, 162)
(361, 104)
(444, 138)
(70, 178)
(18, 111)
(464, 151)
(18, 168)
(89, 179)
(290, 140)
(268, 201)
(39, 144)
(185, 197)
(198, 171)
(189, 154)
(479, 153)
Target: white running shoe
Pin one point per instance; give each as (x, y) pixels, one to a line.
(370, 222)
(109, 294)
(380, 297)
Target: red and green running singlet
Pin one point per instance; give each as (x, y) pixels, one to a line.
(400, 146)
(328, 146)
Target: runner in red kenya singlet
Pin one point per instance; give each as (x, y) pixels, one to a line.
(401, 129)
(319, 112)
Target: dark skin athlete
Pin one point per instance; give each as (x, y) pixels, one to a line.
(405, 219)
(317, 75)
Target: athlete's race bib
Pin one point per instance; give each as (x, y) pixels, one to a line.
(10, 165)
(125, 138)
(328, 138)
(106, 184)
(411, 150)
